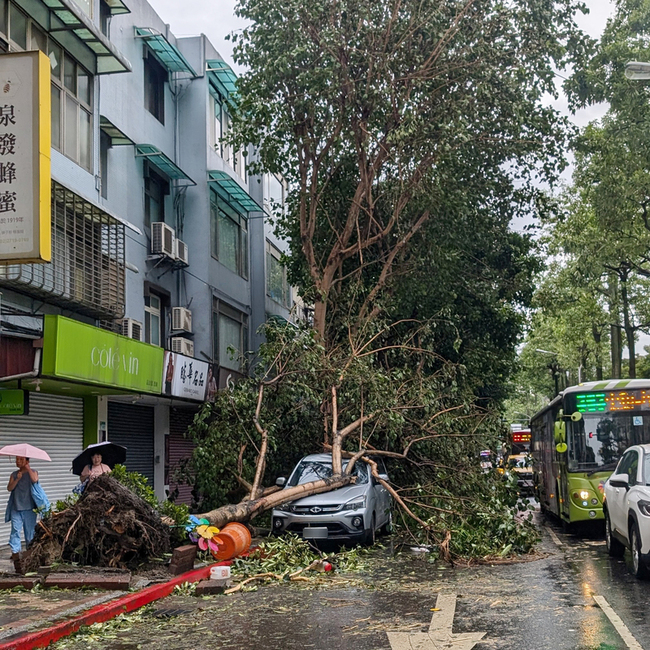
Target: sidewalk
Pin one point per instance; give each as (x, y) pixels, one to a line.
(32, 618)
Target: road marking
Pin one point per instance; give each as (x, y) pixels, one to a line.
(439, 635)
(616, 621)
(554, 537)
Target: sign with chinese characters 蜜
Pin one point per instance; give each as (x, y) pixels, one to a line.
(185, 377)
(25, 141)
(14, 402)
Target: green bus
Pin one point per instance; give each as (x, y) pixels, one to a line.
(578, 439)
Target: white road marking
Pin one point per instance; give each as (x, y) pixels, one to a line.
(554, 537)
(439, 636)
(616, 621)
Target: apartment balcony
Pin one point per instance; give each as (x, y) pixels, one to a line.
(87, 272)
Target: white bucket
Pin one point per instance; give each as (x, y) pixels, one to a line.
(219, 572)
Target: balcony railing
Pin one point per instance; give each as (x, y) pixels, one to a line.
(87, 272)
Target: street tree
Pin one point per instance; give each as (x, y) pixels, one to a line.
(409, 133)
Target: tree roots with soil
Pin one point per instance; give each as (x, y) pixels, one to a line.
(108, 526)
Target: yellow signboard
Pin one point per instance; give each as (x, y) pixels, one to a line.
(25, 141)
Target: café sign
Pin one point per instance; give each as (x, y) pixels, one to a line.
(81, 352)
(25, 141)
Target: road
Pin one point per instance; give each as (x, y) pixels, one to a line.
(572, 597)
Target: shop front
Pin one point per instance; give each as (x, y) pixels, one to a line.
(67, 400)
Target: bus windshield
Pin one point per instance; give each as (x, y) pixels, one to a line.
(599, 439)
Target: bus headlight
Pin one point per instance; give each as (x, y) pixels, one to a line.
(584, 495)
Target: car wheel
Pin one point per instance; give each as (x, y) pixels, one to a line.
(639, 567)
(371, 534)
(614, 547)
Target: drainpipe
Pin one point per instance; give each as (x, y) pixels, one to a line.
(26, 375)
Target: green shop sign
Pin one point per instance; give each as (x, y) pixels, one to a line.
(14, 402)
(74, 350)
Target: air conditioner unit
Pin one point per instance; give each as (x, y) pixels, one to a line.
(162, 239)
(131, 328)
(182, 346)
(180, 251)
(181, 319)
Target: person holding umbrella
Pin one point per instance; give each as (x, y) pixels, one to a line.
(95, 469)
(96, 460)
(26, 496)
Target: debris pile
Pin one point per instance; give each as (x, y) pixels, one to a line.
(108, 526)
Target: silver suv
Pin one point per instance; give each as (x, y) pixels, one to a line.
(353, 513)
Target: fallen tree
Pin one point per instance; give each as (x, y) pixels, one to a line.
(352, 403)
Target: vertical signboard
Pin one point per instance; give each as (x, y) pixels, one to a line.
(25, 140)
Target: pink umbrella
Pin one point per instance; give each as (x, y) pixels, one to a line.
(24, 450)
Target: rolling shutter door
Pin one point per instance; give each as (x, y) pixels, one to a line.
(178, 448)
(133, 427)
(55, 424)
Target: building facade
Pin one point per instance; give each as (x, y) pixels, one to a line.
(163, 258)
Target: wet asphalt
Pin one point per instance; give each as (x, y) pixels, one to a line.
(549, 603)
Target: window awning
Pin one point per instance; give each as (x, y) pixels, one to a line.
(231, 191)
(162, 162)
(223, 77)
(168, 54)
(68, 17)
(117, 137)
(117, 7)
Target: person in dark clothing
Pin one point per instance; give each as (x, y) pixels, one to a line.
(23, 507)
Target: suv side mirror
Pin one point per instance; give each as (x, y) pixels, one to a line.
(620, 481)
(280, 481)
(384, 477)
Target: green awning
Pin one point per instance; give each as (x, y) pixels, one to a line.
(232, 192)
(117, 137)
(117, 7)
(167, 53)
(68, 17)
(223, 77)
(162, 162)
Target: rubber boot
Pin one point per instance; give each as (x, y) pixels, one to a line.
(18, 565)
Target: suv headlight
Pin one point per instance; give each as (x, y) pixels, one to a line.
(644, 507)
(355, 504)
(287, 507)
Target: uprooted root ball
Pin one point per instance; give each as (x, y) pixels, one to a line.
(108, 526)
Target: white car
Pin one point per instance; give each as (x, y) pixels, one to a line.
(627, 509)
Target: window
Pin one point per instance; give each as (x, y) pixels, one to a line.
(154, 87)
(104, 17)
(277, 287)
(274, 194)
(155, 190)
(230, 336)
(229, 236)
(153, 320)
(220, 128)
(104, 146)
(72, 85)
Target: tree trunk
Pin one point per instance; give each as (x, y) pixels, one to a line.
(629, 330)
(247, 510)
(597, 353)
(320, 312)
(615, 332)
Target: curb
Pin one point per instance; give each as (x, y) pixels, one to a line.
(104, 612)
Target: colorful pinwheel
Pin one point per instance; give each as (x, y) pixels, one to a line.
(203, 534)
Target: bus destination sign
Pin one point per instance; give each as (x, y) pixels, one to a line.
(631, 400)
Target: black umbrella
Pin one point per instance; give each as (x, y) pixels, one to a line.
(111, 455)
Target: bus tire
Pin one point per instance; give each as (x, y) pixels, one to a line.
(614, 547)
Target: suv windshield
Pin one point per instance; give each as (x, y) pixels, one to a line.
(313, 470)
